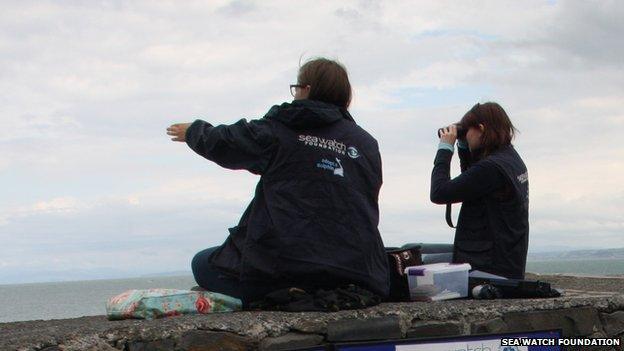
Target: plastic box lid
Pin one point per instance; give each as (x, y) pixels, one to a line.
(436, 268)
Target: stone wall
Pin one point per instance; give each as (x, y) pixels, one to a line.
(581, 312)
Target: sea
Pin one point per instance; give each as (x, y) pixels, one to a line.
(57, 300)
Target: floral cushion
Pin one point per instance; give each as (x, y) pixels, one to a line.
(157, 303)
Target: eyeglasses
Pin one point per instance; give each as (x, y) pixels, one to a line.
(293, 88)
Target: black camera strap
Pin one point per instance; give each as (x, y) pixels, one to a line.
(449, 220)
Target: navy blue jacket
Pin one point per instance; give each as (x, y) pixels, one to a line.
(493, 226)
(313, 220)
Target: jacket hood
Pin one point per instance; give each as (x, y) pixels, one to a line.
(307, 114)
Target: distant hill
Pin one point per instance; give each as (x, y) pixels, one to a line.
(578, 255)
(26, 275)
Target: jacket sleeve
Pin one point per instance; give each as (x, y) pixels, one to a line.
(242, 145)
(480, 179)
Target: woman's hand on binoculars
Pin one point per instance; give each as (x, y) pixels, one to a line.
(178, 131)
(449, 134)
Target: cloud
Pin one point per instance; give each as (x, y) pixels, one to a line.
(66, 204)
(158, 230)
(89, 176)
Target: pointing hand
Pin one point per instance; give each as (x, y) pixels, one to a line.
(178, 131)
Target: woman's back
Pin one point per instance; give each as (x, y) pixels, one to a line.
(314, 220)
(493, 230)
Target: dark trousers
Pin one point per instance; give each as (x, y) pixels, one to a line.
(211, 279)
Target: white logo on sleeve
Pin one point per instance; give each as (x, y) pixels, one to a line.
(523, 177)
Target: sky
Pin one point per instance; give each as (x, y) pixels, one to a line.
(92, 187)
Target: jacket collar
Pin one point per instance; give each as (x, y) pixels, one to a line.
(308, 114)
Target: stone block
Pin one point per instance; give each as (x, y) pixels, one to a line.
(380, 328)
(579, 321)
(613, 323)
(157, 345)
(200, 340)
(425, 329)
(492, 326)
(290, 341)
(310, 326)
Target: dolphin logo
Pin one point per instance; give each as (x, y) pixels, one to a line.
(339, 170)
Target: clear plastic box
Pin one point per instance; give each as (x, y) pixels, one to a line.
(438, 281)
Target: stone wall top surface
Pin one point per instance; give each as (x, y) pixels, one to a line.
(599, 293)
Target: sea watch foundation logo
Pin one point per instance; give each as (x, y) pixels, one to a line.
(328, 144)
(353, 152)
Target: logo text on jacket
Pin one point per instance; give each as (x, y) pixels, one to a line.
(329, 144)
(335, 167)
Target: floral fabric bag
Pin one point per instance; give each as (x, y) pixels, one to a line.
(157, 303)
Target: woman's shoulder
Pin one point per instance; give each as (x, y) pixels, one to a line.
(506, 155)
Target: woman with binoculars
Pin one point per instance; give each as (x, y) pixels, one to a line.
(492, 231)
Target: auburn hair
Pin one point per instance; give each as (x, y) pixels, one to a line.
(328, 81)
(498, 131)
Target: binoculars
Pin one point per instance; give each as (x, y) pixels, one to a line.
(461, 131)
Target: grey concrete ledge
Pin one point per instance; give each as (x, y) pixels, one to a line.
(589, 311)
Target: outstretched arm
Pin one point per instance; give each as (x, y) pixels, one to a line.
(242, 145)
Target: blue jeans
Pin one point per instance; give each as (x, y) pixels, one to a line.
(211, 279)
